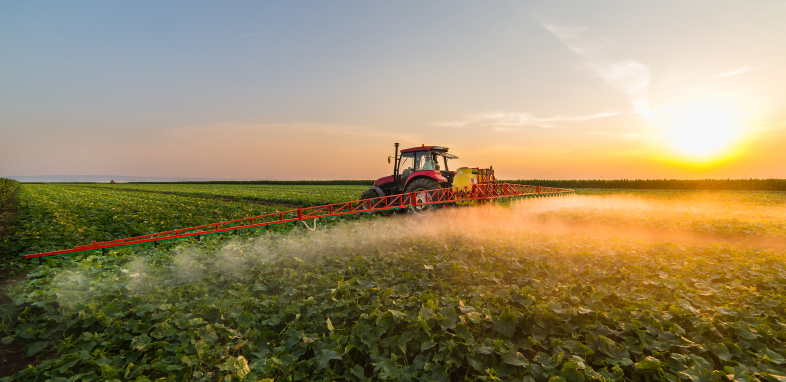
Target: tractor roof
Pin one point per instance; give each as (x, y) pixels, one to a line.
(424, 148)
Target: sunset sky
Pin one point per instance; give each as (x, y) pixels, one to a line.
(322, 89)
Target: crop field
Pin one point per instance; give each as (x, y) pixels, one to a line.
(62, 216)
(607, 286)
(302, 196)
(741, 214)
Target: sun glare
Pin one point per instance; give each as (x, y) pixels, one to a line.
(703, 130)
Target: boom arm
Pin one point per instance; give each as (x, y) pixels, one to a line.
(478, 192)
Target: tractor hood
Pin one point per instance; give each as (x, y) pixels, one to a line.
(383, 180)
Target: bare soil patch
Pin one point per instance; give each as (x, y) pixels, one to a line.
(13, 359)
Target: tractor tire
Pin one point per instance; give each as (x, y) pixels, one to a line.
(422, 184)
(368, 194)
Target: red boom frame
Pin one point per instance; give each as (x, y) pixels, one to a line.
(477, 192)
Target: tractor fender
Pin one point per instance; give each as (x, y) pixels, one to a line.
(425, 174)
(379, 191)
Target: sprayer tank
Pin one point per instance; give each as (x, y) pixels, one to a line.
(465, 177)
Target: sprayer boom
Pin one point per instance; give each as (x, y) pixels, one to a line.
(476, 193)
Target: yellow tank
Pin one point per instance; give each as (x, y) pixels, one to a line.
(465, 177)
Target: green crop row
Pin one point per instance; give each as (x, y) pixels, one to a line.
(54, 217)
(7, 189)
(291, 194)
(662, 184)
(407, 300)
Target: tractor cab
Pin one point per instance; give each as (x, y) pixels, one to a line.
(429, 161)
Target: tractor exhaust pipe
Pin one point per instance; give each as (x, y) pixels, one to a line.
(395, 167)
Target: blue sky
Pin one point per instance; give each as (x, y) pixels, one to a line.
(320, 90)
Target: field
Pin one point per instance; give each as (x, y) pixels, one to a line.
(602, 286)
(296, 195)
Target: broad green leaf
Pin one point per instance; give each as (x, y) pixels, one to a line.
(505, 327)
(648, 363)
(323, 358)
(771, 356)
(697, 373)
(721, 351)
(774, 377)
(35, 347)
(515, 358)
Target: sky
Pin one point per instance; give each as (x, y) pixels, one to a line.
(321, 90)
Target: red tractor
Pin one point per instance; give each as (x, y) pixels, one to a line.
(415, 169)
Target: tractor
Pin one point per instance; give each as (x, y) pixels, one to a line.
(421, 169)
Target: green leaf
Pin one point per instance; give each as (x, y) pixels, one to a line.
(773, 377)
(35, 347)
(238, 366)
(685, 304)
(358, 371)
(505, 327)
(570, 372)
(746, 332)
(771, 356)
(163, 330)
(613, 349)
(649, 363)
(140, 342)
(581, 349)
(515, 358)
(451, 318)
(615, 375)
(721, 351)
(546, 361)
(697, 373)
(739, 374)
(482, 349)
(324, 357)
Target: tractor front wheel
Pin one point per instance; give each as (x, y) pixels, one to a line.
(422, 186)
(368, 194)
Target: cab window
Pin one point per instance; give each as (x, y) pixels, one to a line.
(423, 161)
(407, 161)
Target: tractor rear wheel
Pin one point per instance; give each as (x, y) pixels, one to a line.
(423, 184)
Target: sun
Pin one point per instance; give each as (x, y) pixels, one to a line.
(703, 129)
